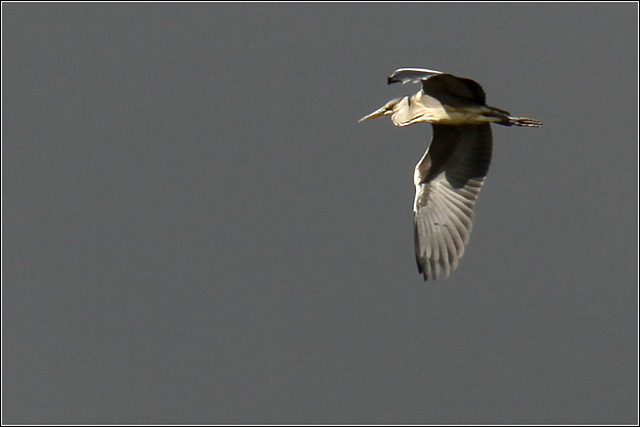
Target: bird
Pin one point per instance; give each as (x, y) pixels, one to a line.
(450, 174)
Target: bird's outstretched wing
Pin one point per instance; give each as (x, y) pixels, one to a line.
(447, 181)
(446, 88)
(410, 75)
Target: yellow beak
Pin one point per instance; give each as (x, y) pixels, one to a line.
(379, 112)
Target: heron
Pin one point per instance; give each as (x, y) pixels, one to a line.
(450, 174)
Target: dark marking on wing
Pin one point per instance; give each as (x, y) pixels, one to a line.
(447, 86)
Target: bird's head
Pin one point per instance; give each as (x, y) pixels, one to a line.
(388, 108)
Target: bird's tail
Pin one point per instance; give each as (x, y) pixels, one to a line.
(502, 117)
(522, 121)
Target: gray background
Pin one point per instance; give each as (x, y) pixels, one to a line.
(197, 230)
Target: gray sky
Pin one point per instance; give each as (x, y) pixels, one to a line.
(197, 230)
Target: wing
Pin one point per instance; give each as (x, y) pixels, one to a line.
(447, 88)
(447, 180)
(451, 90)
(410, 75)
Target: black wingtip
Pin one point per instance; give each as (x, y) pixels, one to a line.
(421, 270)
(392, 80)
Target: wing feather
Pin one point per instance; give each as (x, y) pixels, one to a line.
(446, 88)
(449, 89)
(448, 180)
(410, 75)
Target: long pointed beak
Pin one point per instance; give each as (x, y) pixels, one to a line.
(379, 112)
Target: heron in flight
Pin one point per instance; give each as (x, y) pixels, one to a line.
(449, 176)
